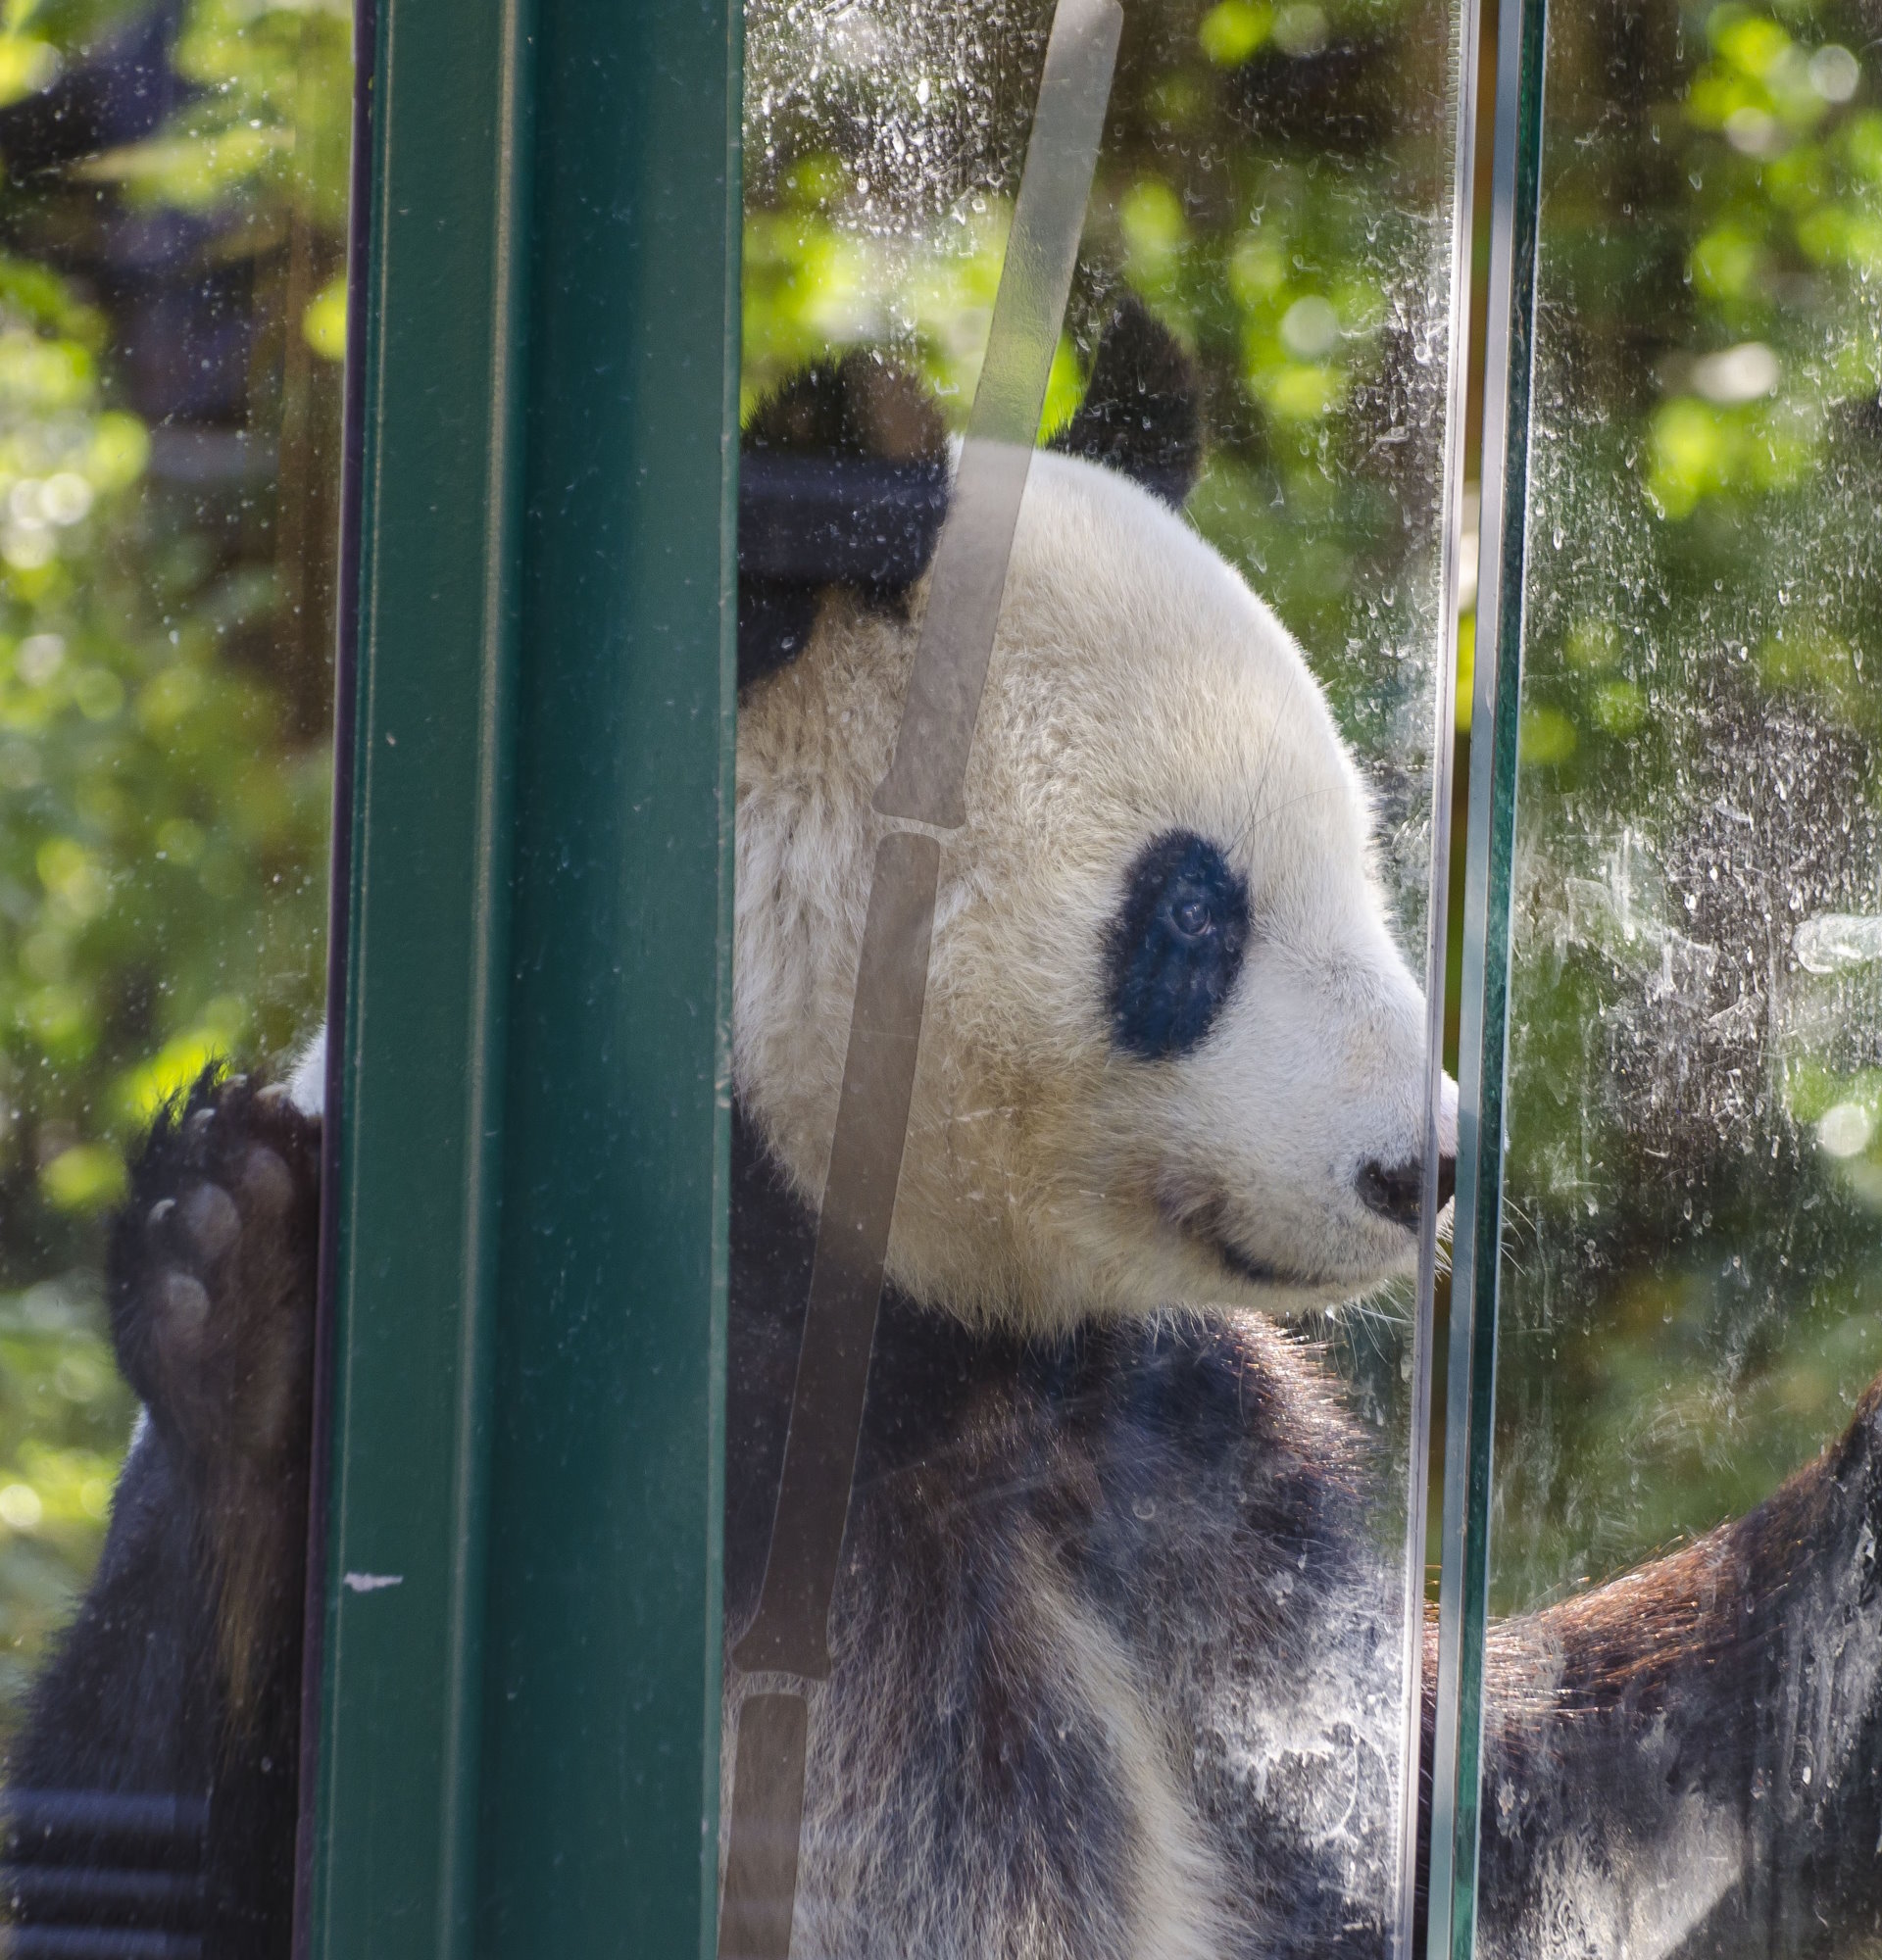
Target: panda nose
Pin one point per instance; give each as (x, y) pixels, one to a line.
(1395, 1191)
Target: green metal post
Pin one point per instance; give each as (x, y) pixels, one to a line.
(519, 1733)
(600, 1795)
(420, 1071)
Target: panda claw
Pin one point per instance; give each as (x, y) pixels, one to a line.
(159, 1214)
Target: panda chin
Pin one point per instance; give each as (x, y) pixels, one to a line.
(1203, 1220)
(1254, 1272)
(1203, 1224)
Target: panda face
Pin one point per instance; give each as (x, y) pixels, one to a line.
(1171, 1053)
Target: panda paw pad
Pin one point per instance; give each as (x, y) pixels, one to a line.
(213, 1267)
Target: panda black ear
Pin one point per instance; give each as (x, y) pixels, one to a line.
(843, 480)
(1142, 414)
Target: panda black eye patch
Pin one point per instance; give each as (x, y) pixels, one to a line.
(1175, 945)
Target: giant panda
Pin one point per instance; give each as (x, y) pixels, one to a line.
(1115, 1655)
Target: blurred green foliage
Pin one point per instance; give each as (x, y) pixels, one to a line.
(1692, 1283)
(165, 772)
(268, 135)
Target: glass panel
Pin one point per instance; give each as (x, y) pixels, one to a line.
(1690, 1248)
(173, 316)
(1088, 803)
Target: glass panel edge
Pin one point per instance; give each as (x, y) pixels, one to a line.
(1482, 1041)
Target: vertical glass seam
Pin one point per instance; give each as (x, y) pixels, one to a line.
(1483, 1041)
(1467, 17)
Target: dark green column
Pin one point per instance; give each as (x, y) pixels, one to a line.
(518, 1737)
(602, 1753)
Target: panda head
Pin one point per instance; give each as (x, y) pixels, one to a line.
(1171, 1053)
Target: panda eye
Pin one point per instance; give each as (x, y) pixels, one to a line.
(1193, 917)
(1175, 945)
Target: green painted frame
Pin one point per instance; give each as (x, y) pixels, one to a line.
(518, 1639)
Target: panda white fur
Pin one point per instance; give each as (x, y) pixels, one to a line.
(1116, 1656)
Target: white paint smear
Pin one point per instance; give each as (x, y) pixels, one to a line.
(1833, 940)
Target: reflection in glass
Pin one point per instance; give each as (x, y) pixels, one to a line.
(172, 324)
(1121, 1645)
(1692, 1235)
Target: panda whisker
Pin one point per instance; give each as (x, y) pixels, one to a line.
(1280, 809)
(1307, 797)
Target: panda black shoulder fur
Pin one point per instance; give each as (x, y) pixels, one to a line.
(1114, 1657)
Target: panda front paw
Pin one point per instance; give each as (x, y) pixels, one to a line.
(212, 1274)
